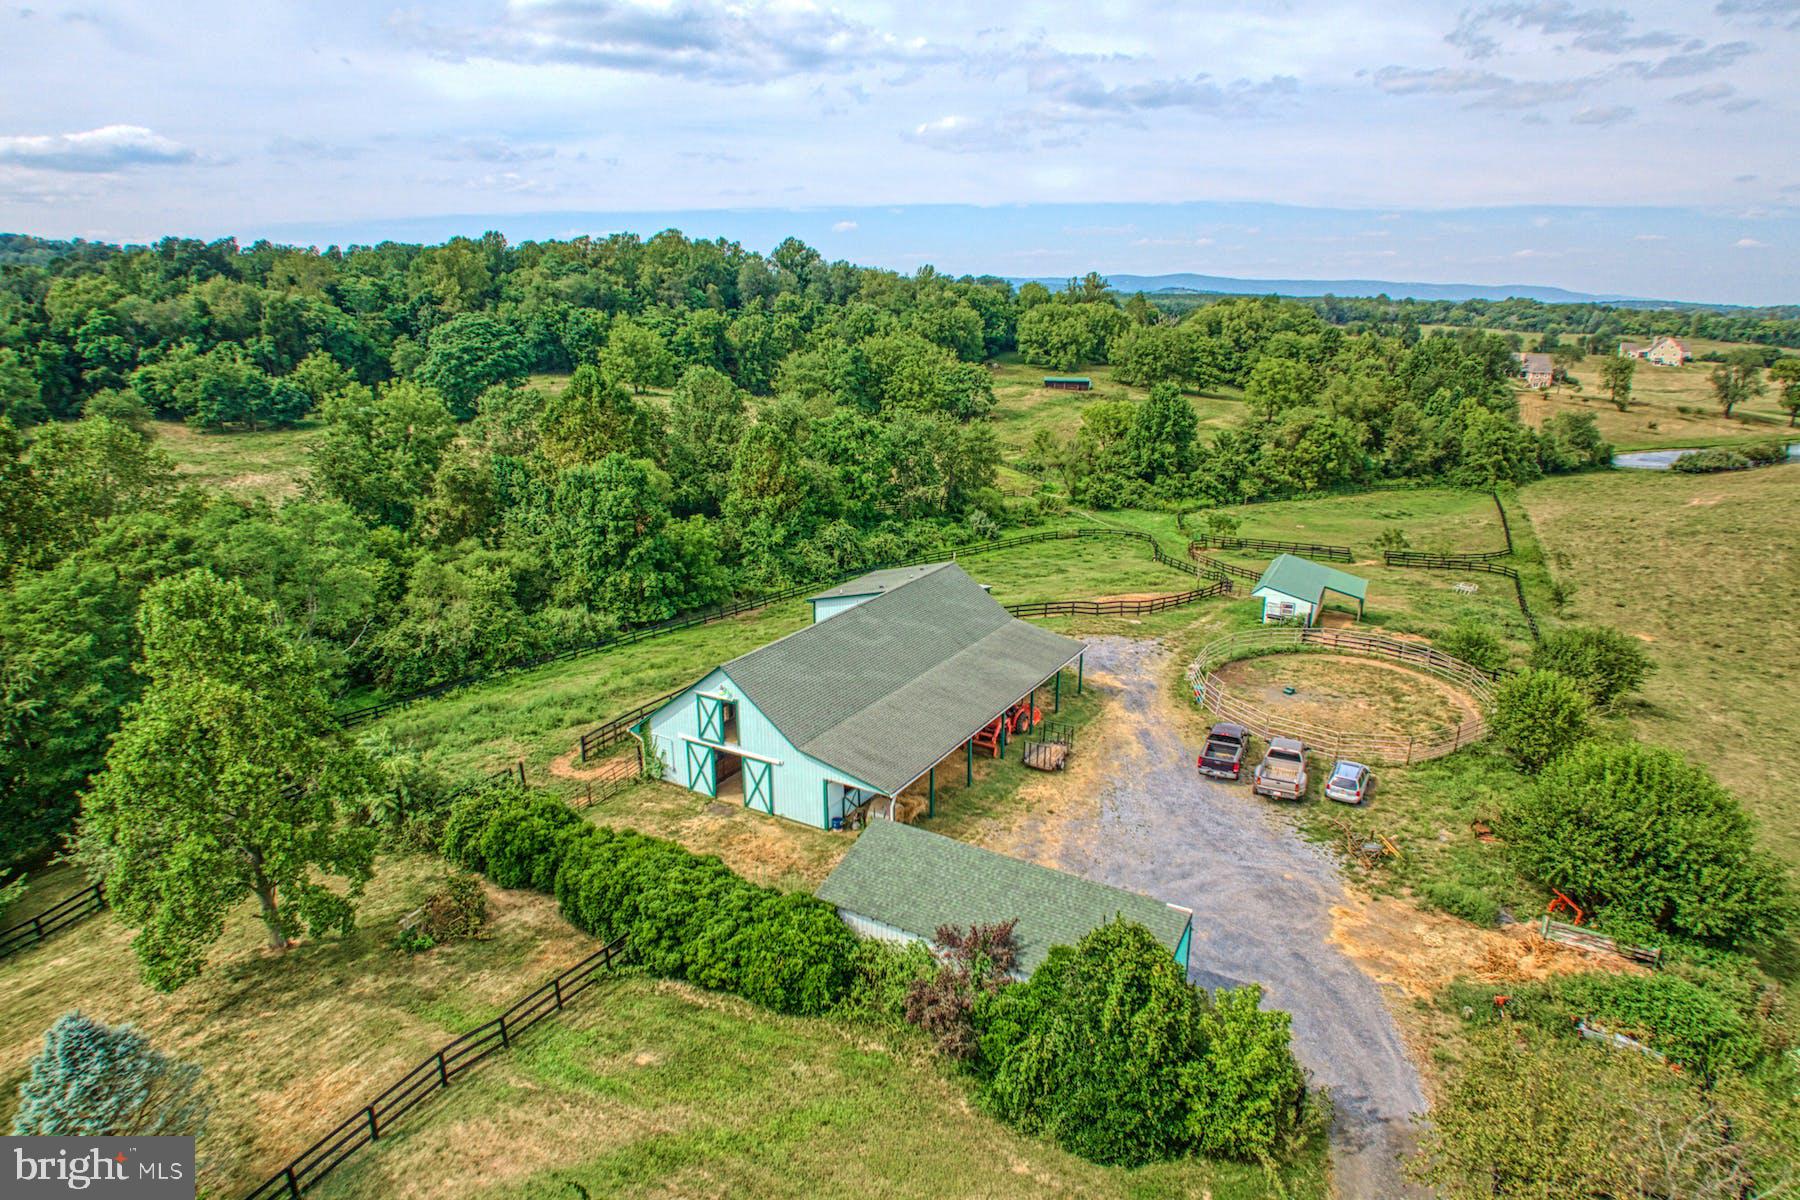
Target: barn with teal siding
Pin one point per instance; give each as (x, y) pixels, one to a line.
(899, 670)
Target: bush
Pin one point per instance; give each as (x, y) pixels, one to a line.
(687, 916)
(1605, 663)
(1461, 900)
(1539, 715)
(97, 1080)
(1650, 843)
(1688, 1024)
(1112, 1053)
(458, 909)
(1476, 643)
(974, 962)
(1704, 462)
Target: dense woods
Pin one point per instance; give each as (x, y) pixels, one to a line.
(716, 422)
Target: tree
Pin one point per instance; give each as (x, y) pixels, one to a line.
(91, 471)
(380, 451)
(1786, 373)
(98, 1080)
(1476, 643)
(706, 418)
(636, 356)
(21, 397)
(1615, 375)
(1603, 662)
(593, 417)
(1162, 434)
(1650, 843)
(228, 779)
(1539, 714)
(1738, 380)
(469, 354)
(606, 538)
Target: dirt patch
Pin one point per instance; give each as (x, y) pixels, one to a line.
(570, 766)
(1349, 694)
(1419, 952)
(1705, 501)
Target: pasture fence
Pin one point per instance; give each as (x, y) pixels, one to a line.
(1464, 562)
(1117, 608)
(59, 916)
(1218, 568)
(707, 616)
(1211, 691)
(376, 1119)
(1213, 541)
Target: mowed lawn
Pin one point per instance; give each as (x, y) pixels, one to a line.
(1705, 569)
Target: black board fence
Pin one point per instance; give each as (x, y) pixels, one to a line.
(1463, 562)
(369, 712)
(1218, 568)
(59, 916)
(1117, 608)
(1304, 549)
(375, 1119)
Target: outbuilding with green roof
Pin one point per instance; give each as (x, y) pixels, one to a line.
(1296, 588)
(902, 883)
(900, 669)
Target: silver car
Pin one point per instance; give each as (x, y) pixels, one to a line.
(1349, 782)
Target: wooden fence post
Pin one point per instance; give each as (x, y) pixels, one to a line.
(374, 1132)
(293, 1184)
(443, 1071)
(504, 1040)
(556, 986)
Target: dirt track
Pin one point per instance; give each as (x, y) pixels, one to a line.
(1263, 904)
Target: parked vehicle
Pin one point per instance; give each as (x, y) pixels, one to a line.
(1282, 773)
(1349, 782)
(1223, 755)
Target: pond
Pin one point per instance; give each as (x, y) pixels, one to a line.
(1661, 460)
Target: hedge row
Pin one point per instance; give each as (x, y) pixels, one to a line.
(687, 916)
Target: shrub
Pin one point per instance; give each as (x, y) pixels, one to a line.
(1538, 715)
(1605, 663)
(98, 1080)
(1111, 1052)
(974, 962)
(882, 975)
(1460, 900)
(1687, 1023)
(1651, 843)
(458, 909)
(1703, 462)
(1476, 643)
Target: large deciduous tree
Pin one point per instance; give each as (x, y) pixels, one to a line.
(1738, 380)
(468, 354)
(381, 450)
(228, 780)
(1615, 374)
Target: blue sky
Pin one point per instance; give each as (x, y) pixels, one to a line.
(1644, 149)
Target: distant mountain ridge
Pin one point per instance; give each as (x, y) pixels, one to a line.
(1394, 289)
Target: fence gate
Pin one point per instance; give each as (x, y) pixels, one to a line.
(701, 766)
(759, 785)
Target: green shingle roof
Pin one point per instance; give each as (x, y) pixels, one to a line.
(877, 582)
(886, 689)
(1304, 579)
(916, 881)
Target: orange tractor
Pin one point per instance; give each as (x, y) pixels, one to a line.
(1020, 718)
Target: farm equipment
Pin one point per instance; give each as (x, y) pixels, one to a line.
(1050, 750)
(1020, 718)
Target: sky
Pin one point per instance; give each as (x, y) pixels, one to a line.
(1643, 149)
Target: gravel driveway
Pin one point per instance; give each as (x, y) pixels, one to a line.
(1262, 902)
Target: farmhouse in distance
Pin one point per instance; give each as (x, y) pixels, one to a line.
(1663, 352)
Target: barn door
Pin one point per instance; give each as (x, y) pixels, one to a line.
(700, 765)
(759, 785)
(712, 718)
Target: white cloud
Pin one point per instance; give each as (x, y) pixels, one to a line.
(1749, 243)
(109, 148)
(843, 227)
(1605, 114)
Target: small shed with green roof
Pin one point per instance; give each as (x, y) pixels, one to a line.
(1068, 383)
(902, 883)
(1295, 588)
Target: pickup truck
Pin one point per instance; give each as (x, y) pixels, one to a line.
(1282, 772)
(1223, 755)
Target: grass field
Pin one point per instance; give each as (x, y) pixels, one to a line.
(1655, 419)
(657, 1090)
(267, 463)
(1023, 406)
(1705, 569)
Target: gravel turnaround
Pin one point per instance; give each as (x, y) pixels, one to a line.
(1262, 900)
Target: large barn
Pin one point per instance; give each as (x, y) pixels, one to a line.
(900, 670)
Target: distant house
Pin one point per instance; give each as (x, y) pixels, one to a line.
(1069, 383)
(1295, 587)
(1538, 369)
(1664, 351)
(901, 883)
